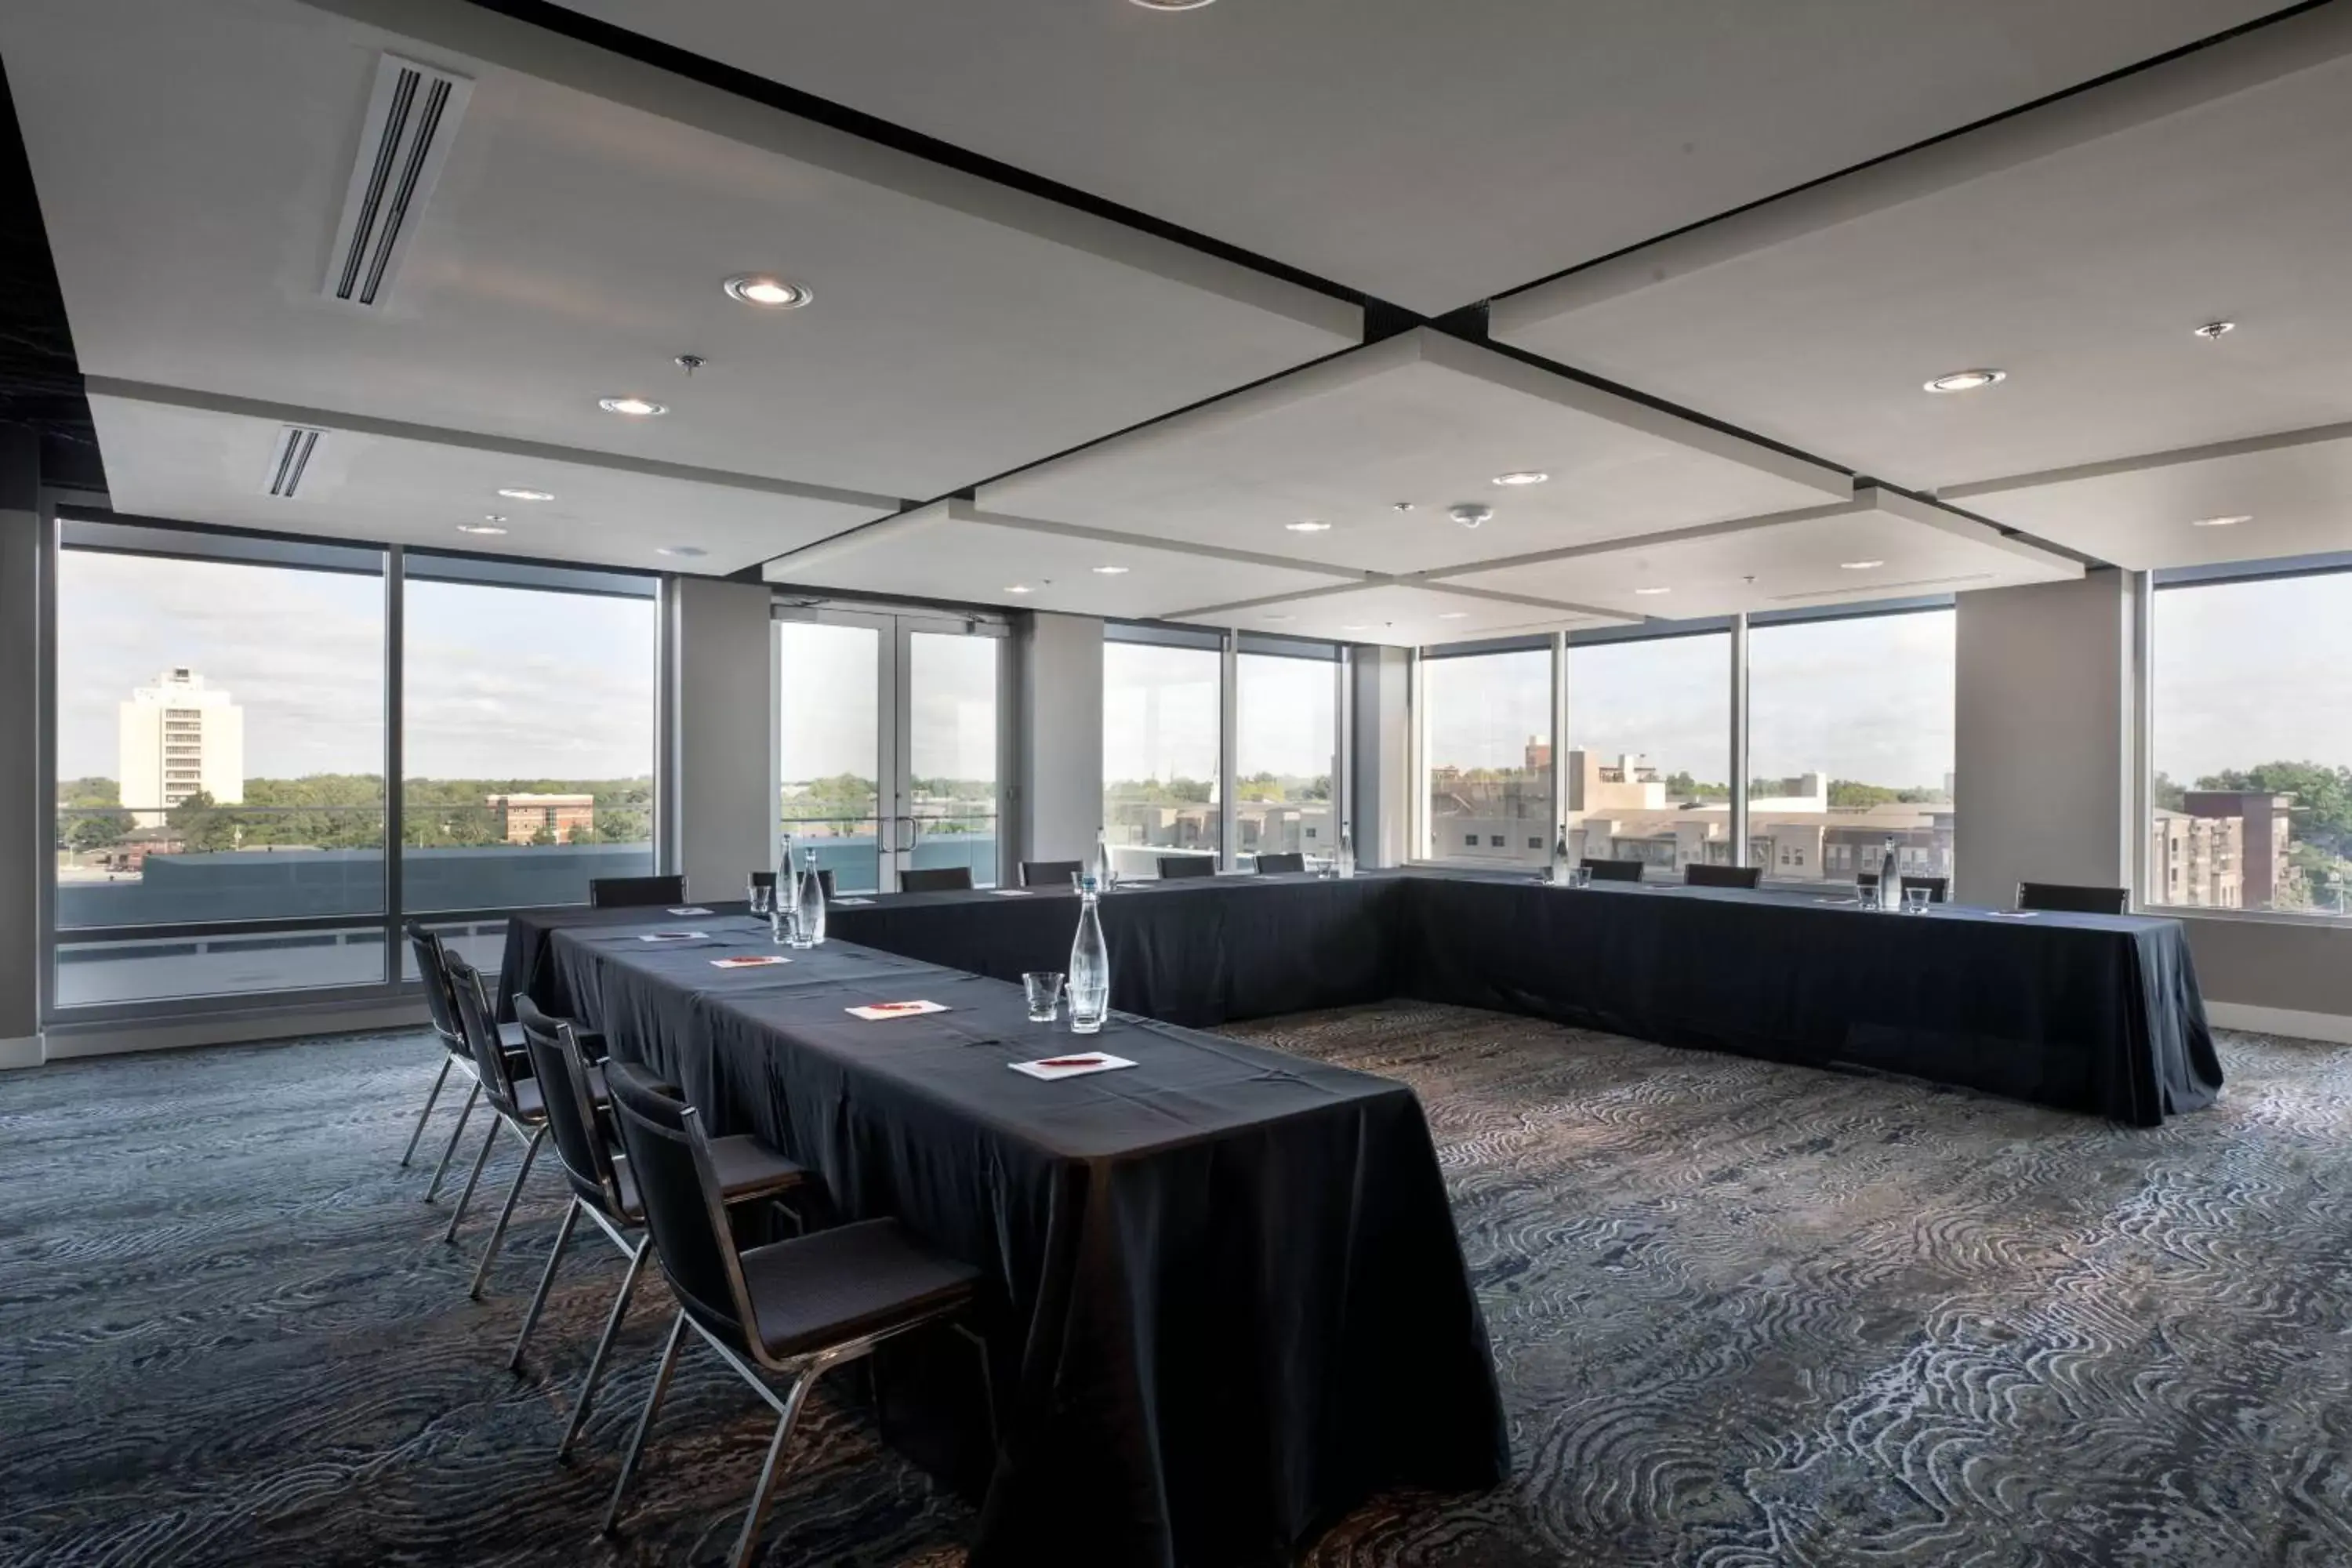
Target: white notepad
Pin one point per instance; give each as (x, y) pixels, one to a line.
(749, 961)
(1010, 892)
(690, 911)
(1076, 1064)
(675, 936)
(877, 1011)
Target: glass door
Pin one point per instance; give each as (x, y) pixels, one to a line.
(886, 744)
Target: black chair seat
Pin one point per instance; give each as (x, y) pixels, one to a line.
(844, 1284)
(747, 1169)
(530, 1099)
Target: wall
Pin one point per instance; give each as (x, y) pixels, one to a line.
(25, 832)
(1054, 796)
(2043, 723)
(1382, 764)
(719, 822)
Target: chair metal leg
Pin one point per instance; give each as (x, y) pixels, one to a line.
(506, 1212)
(441, 1170)
(604, 1347)
(644, 1422)
(546, 1280)
(431, 1098)
(467, 1197)
(745, 1542)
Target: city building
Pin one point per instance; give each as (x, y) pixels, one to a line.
(2268, 879)
(523, 817)
(179, 738)
(2195, 861)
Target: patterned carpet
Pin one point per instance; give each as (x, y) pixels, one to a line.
(1746, 1315)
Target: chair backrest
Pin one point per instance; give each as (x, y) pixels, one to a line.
(1937, 886)
(632, 892)
(1614, 870)
(935, 879)
(670, 1158)
(1041, 873)
(481, 1031)
(2073, 900)
(1866, 881)
(433, 971)
(562, 1073)
(1722, 876)
(1269, 863)
(1174, 865)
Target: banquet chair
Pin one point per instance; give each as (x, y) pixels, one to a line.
(2064, 898)
(1937, 887)
(936, 879)
(1174, 865)
(634, 892)
(1722, 876)
(1614, 870)
(800, 1307)
(433, 972)
(1865, 883)
(516, 1106)
(606, 1190)
(1273, 865)
(1049, 873)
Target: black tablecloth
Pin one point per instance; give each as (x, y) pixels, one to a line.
(2093, 1013)
(1228, 1300)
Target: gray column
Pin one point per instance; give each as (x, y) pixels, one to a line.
(1739, 738)
(26, 834)
(718, 813)
(1382, 773)
(1054, 796)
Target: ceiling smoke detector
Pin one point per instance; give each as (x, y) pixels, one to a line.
(1470, 514)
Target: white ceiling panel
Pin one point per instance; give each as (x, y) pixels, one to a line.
(2295, 498)
(2076, 248)
(193, 163)
(1880, 546)
(1423, 418)
(1399, 614)
(1433, 154)
(953, 552)
(210, 466)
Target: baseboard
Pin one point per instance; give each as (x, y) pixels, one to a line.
(2334, 1027)
(65, 1043)
(24, 1053)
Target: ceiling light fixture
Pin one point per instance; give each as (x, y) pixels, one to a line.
(1019, 588)
(683, 551)
(1858, 566)
(1110, 571)
(1308, 525)
(1356, 627)
(1173, 5)
(1469, 514)
(635, 407)
(1399, 506)
(493, 517)
(1966, 380)
(528, 495)
(769, 294)
(1277, 617)
(2212, 329)
(1453, 614)
(2232, 521)
(1522, 477)
(1653, 590)
(479, 528)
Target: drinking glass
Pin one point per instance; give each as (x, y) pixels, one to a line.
(1579, 876)
(762, 891)
(782, 925)
(1914, 900)
(1045, 996)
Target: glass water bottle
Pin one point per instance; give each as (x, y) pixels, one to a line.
(1089, 965)
(809, 929)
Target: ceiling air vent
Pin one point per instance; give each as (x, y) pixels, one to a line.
(411, 115)
(290, 459)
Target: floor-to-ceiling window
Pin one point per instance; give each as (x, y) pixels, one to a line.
(1648, 761)
(1486, 756)
(1850, 745)
(2251, 741)
(1161, 739)
(1287, 735)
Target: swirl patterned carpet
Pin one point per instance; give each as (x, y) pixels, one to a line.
(1746, 1315)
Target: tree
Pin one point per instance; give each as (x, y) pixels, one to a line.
(2168, 795)
(200, 825)
(545, 835)
(98, 829)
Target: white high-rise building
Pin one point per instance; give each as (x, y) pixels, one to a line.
(179, 737)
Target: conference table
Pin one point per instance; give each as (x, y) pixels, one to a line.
(1225, 1300)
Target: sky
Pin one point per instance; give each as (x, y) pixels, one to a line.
(514, 683)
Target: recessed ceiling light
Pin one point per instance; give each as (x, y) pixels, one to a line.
(1858, 566)
(1522, 477)
(1277, 617)
(2212, 329)
(528, 495)
(1308, 525)
(2224, 521)
(1110, 571)
(1653, 590)
(1173, 5)
(768, 293)
(1966, 380)
(1470, 514)
(683, 551)
(493, 517)
(635, 407)
(1356, 627)
(479, 528)
(1019, 588)
(1453, 614)
(1399, 506)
